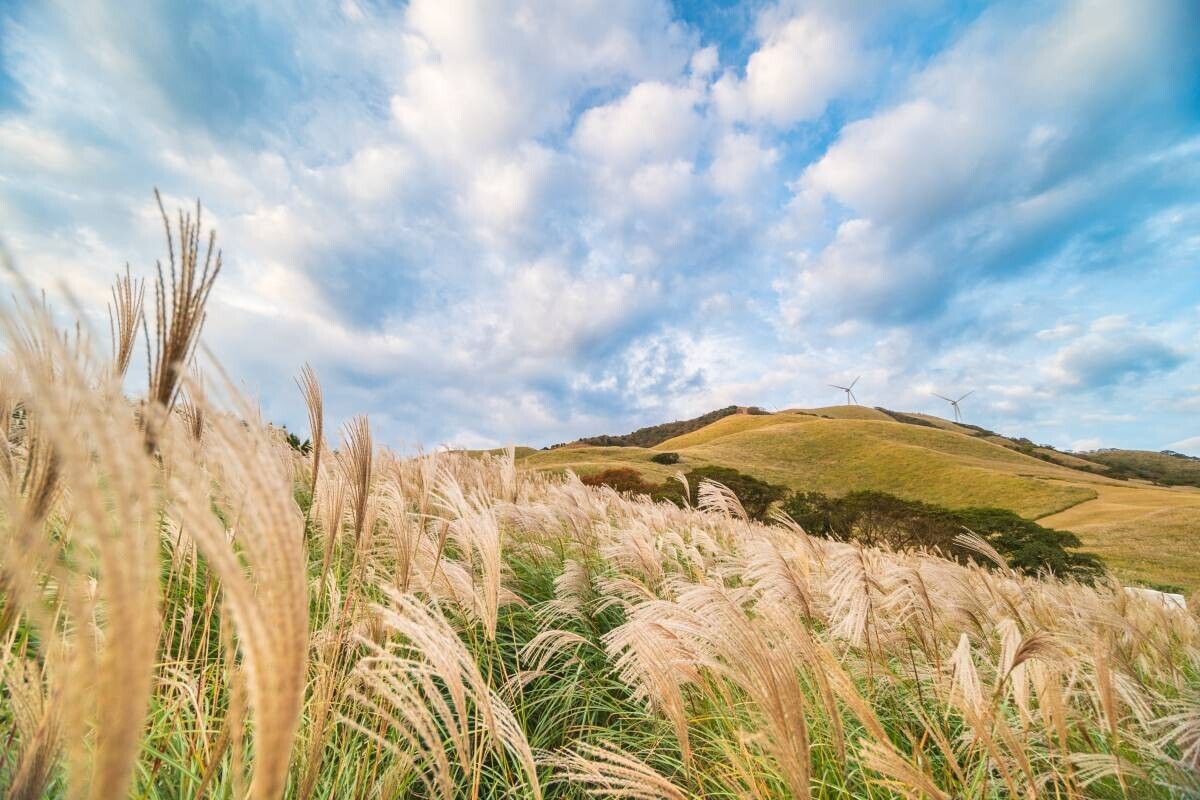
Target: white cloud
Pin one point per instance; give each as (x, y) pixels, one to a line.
(24, 148)
(486, 77)
(704, 62)
(741, 164)
(999, 154)
(662, 186)
(654, 122)
(1112, 352)
(505, 195)
(859, 275)
(803, 64)
(376, 172)
(913, 163)
(546, 316)
(1063, 330)
(992, 117)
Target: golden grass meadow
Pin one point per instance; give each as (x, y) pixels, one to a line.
(190, 606)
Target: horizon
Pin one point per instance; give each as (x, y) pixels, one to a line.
(529, 224)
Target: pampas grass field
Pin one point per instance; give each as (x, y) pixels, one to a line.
(192, 607)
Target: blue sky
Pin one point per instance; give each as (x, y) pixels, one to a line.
(530, 221)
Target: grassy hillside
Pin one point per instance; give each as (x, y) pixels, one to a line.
(652, 435)
(731, 425)
(839, 456)
(1143, 532)
(1170, 469)
(844, 412)
(836, 456)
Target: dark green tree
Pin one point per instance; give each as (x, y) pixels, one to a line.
(878, 518)
(755, 496)
(1028, 546)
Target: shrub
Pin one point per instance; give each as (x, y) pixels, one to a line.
(755, 496)
(665, 458)
(878, 518)
(622, 479)
(1028, 546)
(302, 447)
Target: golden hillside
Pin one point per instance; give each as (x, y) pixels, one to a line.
(1136, 526)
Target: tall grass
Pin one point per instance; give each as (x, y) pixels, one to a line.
(209, 612)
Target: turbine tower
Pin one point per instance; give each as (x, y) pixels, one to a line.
(849, 390)
(954, 403)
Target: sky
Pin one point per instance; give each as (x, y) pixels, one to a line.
(525, 222)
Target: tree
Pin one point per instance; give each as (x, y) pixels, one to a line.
(665, 458)
(302, 447)
(755, 496)
(1028, 546)
(878, 518)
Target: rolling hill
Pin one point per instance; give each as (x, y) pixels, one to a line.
(1165, 467)
(1146, 532)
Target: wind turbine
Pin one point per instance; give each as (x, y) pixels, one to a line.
(850, 398)
(954, 403)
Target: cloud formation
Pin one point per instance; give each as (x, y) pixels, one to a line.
(529, 221)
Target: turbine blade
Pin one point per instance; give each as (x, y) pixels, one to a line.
(947, 399)
(835, 386)
(965, 396)
(851, 386)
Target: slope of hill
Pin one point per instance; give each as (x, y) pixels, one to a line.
(1149, 534)
(843, 412)
(1165, 467)
(730, 425)
(1132, 524)
(653, 434)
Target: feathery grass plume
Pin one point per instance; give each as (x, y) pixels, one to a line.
(609, 771)
(8, 415)
(750, 655)
(900, 774)
(355, 460)
(541, 649)
(652, 655)
(124, 319)
(37, 719)
(1093, 767)
(508, 474)
(180, 297)
(713, 496)
(314, 401)
(476, 531)
(1181, 728)
(426, 686)
(331, 515)
(779, 574)
(97, 560)
(967, 692)
(973, 542)
(191, 412)
(855, 591)
(262, 569)
(573, 594)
